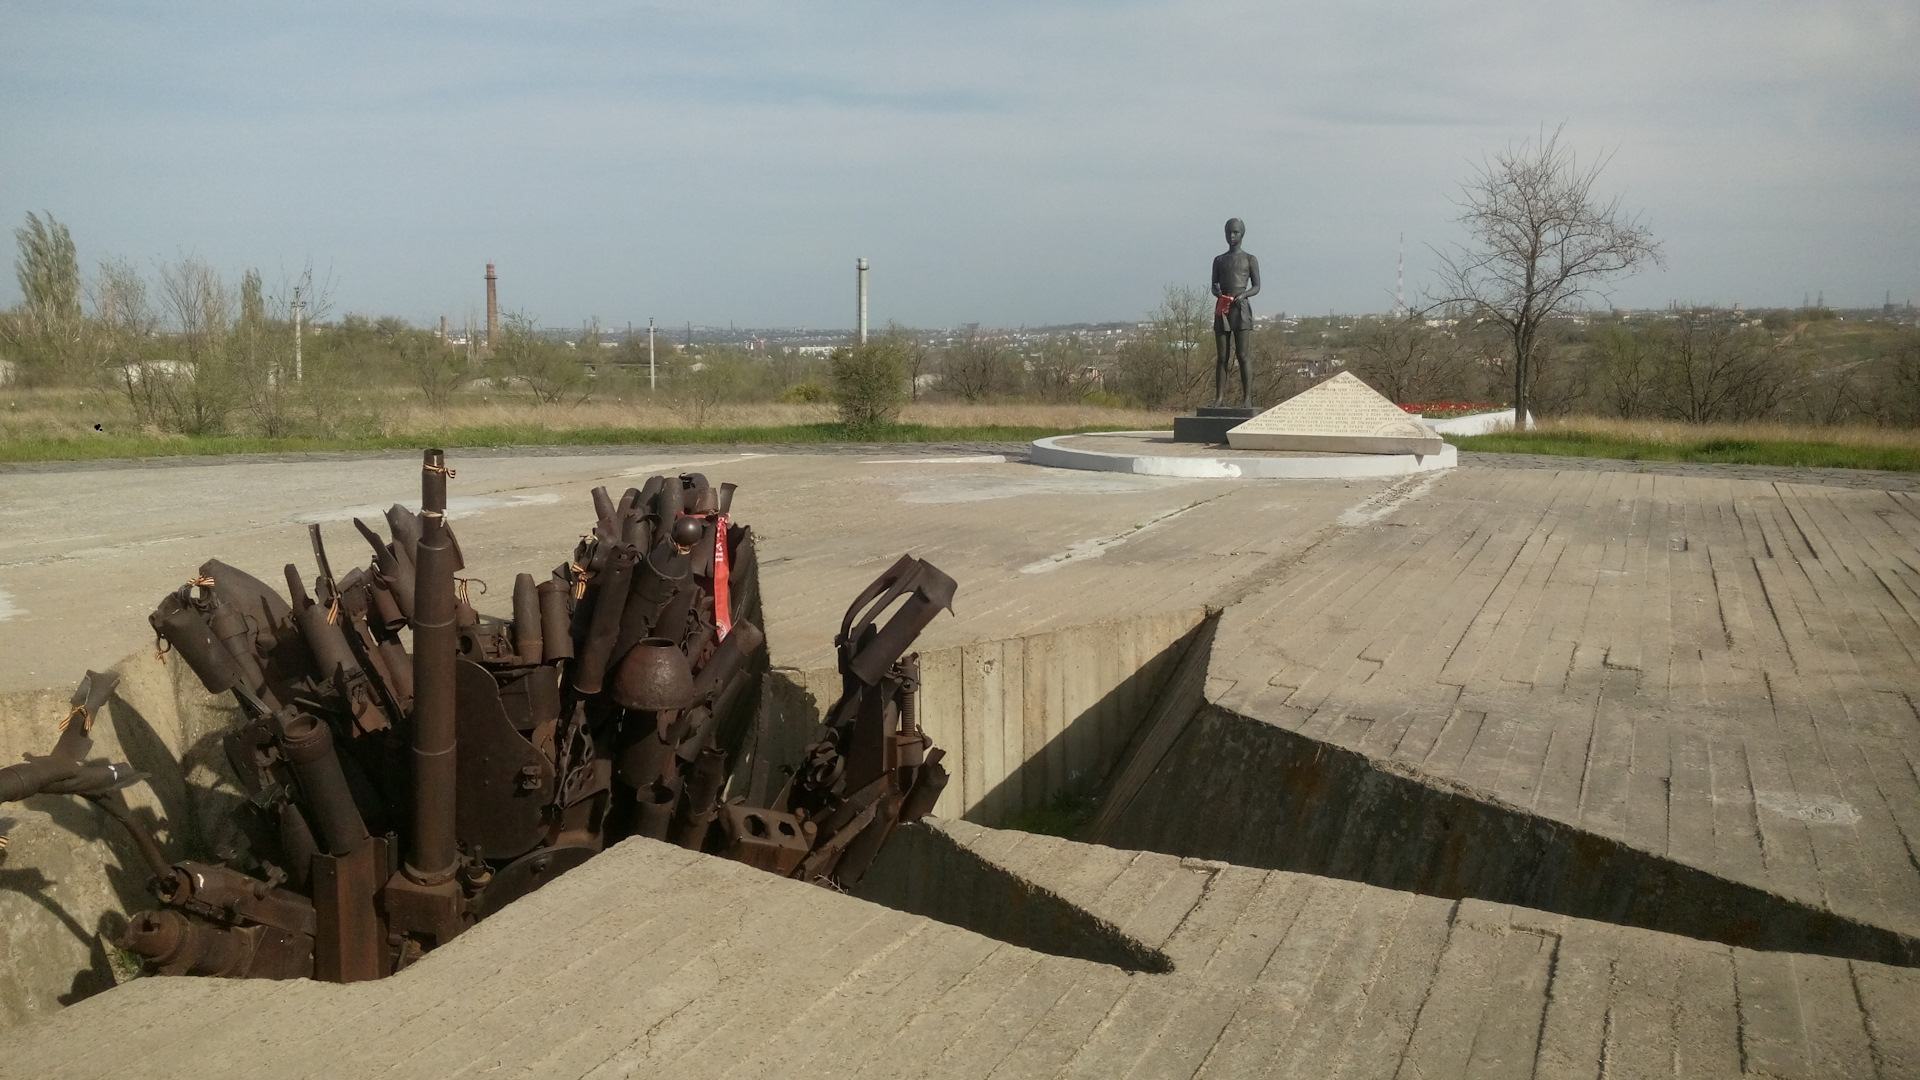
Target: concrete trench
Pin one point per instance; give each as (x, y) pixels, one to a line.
(1110, 714)
(1193, 780)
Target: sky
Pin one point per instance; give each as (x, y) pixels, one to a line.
(1001, 163)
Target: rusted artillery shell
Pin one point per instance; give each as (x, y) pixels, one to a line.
(190, 636)
(308, 746)
(555, 643)
(603, 629)
(528, 634)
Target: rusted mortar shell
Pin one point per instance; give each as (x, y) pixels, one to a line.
(382, 555)
(386, 608)
(655, 583)
(667, 502)
(703, 500)
(400, 667)
(297, 844)
(702, 555)
(628, 499)
(672, 620)
(726, 497)
(237, 637)
(555, 643)
(189, 946)
(527, 631)
(603, 508)
(432, 855)
(193, 640)
(739, 645)
(653, 677)
(405, 526)
(296, 589)
(327, 641)
(636, 529)
(308, 746)
(406, 576)
(604, 628)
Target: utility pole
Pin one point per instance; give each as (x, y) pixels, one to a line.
(299, 310)
(651, 384)
(860, 275)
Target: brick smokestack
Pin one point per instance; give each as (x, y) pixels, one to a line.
(493, 309)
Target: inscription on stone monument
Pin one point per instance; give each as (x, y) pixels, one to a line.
(1340, 415)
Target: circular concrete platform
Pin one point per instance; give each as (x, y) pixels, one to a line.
(1154, 453)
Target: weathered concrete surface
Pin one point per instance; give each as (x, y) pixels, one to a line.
(1718, 673)
(85, 555)
(1713, 673)
(655, 961)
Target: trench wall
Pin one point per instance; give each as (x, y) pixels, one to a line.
(69, 874)
(1023, 720)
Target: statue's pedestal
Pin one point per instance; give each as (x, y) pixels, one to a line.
(1212, 423)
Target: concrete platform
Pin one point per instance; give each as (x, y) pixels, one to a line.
(653, 961)
(1697, 684)
(1159, 453)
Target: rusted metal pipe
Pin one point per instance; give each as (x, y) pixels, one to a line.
(308, 746)
(432, 855)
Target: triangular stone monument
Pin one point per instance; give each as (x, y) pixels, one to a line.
(1342, 416)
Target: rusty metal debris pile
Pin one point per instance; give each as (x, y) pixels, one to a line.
(396, 796)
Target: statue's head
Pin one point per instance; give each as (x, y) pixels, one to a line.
(1236, 229)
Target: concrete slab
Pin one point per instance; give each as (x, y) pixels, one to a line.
(1720, 673)
(86, 553)
(651, 960)
(1161, 453)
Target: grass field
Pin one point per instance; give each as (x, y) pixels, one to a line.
(57, 425)
(1754, 443)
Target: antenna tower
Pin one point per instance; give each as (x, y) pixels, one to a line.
(1400, 282)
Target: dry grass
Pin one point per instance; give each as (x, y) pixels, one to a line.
(1673, 433)
(71, 414)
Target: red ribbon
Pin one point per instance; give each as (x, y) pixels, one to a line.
(722, 603)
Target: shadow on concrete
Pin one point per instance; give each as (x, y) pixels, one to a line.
(1254, 794)
(923, 871)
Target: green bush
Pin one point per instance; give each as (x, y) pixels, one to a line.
(870, 382)
(803, 393)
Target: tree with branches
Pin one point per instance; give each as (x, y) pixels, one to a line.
(1540, 241)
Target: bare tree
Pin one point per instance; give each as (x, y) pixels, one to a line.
(1171, 363)
(1710, 369)
(1408, 362)
(1540, 240)
(976, 367)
